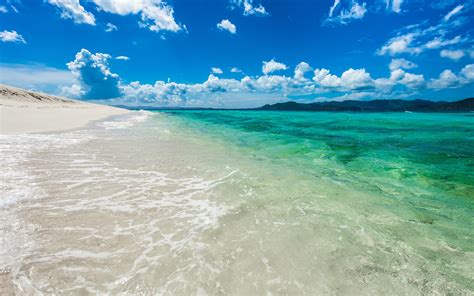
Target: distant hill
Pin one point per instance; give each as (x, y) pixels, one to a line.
(465, 105)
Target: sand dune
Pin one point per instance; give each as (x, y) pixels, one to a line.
(23, 111)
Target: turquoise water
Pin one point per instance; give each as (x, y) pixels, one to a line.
(408, 178)
(414, 156)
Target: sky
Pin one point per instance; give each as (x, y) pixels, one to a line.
(238, 53)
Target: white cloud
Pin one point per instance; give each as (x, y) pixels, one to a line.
(272, 66)
(405, 44)
(398, 76)
(3, 9)
(235, 70)
(227, 26)
(217, 70)
(398, 44)
(249, 8)
(109, 27)
(11, 36)
(156, 15)
(349, 80)
(454, 55)
(447, 79)
(453, 12)
(356, 11)
(396, 5)
(417, 38)
(94, 75)
(401, 64)
(123, 58)
(301, 69)
(333, 7)
(325, 79)
(72, 9)
(438, 42)
(468, 72)
(355, 79)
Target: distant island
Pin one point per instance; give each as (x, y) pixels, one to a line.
(465, 105)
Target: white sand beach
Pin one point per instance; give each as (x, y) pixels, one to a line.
(23, 111)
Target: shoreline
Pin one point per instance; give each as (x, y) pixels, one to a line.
(25, 112)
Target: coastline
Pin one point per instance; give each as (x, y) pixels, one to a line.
(28, 112)
(25, 112)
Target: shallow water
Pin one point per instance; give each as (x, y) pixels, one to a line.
(244, 203)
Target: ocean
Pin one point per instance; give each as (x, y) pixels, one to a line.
(242, 203)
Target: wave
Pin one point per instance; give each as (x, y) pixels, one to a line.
(129, 120)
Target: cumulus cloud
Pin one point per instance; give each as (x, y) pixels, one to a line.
(399, 76)
(360, 80)
(94, 75)
(273, 66)
(11, 36)
(93, 79)
(448, 79)
(399, 44)
(349, 80)
(453, 12)
(355, 79)
(217, 70)
(109, 27)
(3, 9)
(250, 8)
(454, 55)
(72, 9)
(301, 69)
(156, 15)
(468, 73)
(226, 25)
(401, 64)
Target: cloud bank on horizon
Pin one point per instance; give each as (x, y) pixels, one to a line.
(240, 53)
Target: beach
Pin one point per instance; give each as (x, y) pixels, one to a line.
(239, 202)
(30, 112)
(25, 112)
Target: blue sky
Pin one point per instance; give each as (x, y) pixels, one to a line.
(238, 53)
